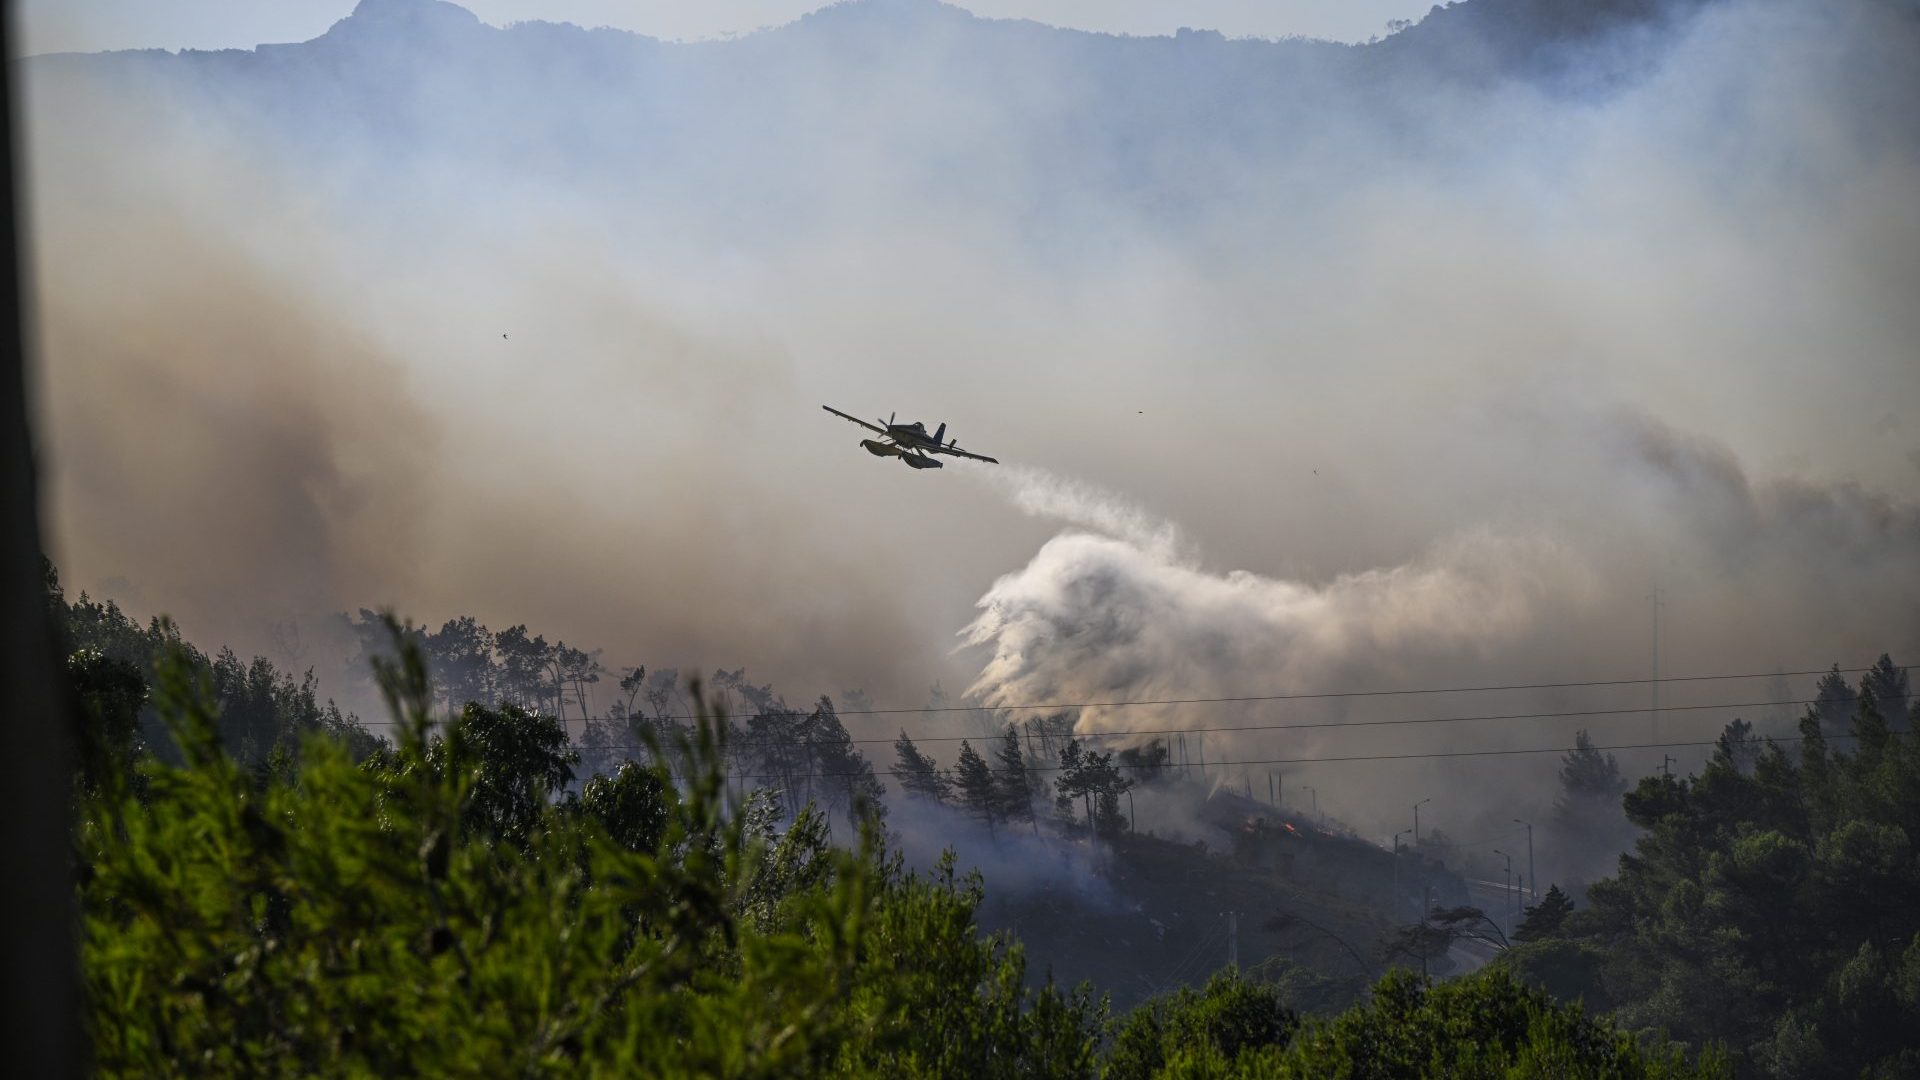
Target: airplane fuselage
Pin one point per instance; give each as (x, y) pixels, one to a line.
(914, 436)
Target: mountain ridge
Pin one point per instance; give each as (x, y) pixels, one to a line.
(1514, 26)
(924, 95)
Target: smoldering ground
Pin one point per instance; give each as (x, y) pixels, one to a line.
(1455, 373)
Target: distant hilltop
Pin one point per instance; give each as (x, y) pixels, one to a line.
(927, 98)
(1469, 37)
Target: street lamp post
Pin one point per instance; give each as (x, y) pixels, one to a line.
(1416, 819)
(1314, 793)
(1509, 858)
(1533, 879)
(1396, 870)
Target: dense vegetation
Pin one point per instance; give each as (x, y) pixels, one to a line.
(1769, 903)
(457, 903)
(262, 711)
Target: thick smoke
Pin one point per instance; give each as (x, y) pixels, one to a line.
(1013, 859)
(259, 415)
(536, 324)
(1114, 609)
(1098, 617)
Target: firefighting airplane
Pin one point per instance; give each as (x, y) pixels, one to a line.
(908, 442)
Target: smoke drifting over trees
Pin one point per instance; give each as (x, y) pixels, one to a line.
(1458, 486)
(1418, 364)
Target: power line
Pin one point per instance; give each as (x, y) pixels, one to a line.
(1304, 725)
(1180, 970)
(1337, 694)
(1318, 696)
(1431, 755)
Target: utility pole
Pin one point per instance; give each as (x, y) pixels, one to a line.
(1315, 794)
(1271, 800)
(1531, 879)
(1416, 819)
(1396, 871)
(1666, 760)
(1130, 821)
(1233, 939)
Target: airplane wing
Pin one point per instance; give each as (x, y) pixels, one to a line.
(875, 428)
(957, 452)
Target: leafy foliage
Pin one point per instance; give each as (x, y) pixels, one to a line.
(259, 712)
(444, 906)
(1230, 1021)
(109, 693)
(1484, 1026)
(370, 918)
(507, 763)
(1768, 905)
(1545, 918)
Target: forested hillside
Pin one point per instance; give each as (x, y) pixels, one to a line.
(263, 872)
(445, 906)
(1768, 904)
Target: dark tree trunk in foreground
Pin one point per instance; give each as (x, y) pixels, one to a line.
(39, 986)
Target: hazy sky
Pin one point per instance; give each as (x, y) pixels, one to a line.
(91, 25)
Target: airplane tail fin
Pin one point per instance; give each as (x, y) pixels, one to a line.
(942, 430)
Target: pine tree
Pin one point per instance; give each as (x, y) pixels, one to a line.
(1065, 818)
(1544, 918)
(1145, 764)
(1010, 776)
(847, 781)
(1109, 820)
(1833, 704)
(1106, 784)
(1737, 747)
(919, 776)
(1587, 776)
(1588, 821)
(1092, 778)
(1892, 694)
(1870, 731)
(1070, 782)
(978, 793)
